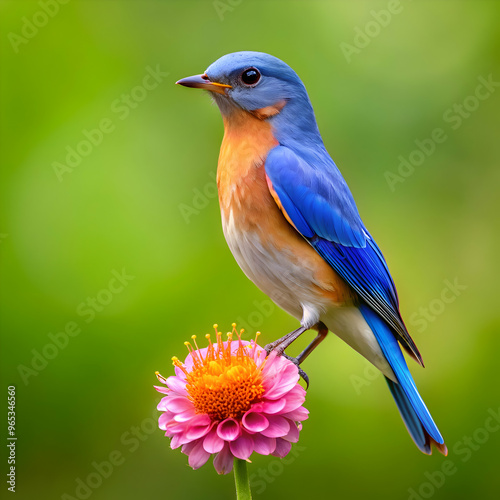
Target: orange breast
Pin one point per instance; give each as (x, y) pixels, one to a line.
(244, 194)
(246, 143)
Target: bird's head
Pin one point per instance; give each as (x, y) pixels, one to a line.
(253, 81)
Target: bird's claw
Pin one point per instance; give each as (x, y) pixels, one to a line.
(273, 346)
(305, 377)
(296, 362)
(269, 348)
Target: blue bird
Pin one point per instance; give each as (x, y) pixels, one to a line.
(293, 226)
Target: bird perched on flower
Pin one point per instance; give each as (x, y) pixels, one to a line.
(293, 227)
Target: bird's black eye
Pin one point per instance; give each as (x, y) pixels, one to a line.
(250, 76)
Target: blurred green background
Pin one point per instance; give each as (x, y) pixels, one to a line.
(141, 202)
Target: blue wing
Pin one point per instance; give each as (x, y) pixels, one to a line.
(317, 201)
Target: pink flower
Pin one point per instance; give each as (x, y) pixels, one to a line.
(229, 400)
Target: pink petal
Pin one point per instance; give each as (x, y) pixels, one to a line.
(179, 373)
(223, 461)
(184, 439)
(278, 427)
(200, 419)
(271, 369)
(259, 355)
(176, 404)
(164, 419)
(263, 445)
(185, 415)
(254, 422)
(186, 449)
(174, 428)
(161, 406)
(229, 429)
(198, 456)
(293, 434)
(294, 399)
(177, 385)
(213, 443)
(271, 379)
(286, 380)
(242, 447)
(164, 390)
(176, 441)
(199, 427)
(274, 406)
(297, 415)
(282, 448)
(257, 407)
(275, 364)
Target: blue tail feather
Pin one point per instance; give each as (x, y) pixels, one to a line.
(415, 414)
(409, 416)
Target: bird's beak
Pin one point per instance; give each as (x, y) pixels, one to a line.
(203, 82)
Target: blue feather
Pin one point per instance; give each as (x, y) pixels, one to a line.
(321, 197)
(409, 416)
(415, 414)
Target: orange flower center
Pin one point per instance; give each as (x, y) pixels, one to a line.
(223, 384)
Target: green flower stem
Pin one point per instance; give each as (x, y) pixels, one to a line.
(241, 479)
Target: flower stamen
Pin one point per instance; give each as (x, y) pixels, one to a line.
(160, 377)
(176, 362)
(224, 381)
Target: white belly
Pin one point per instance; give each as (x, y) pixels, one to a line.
(278, 274)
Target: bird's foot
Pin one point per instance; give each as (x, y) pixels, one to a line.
(281, 344)
(296, 362)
